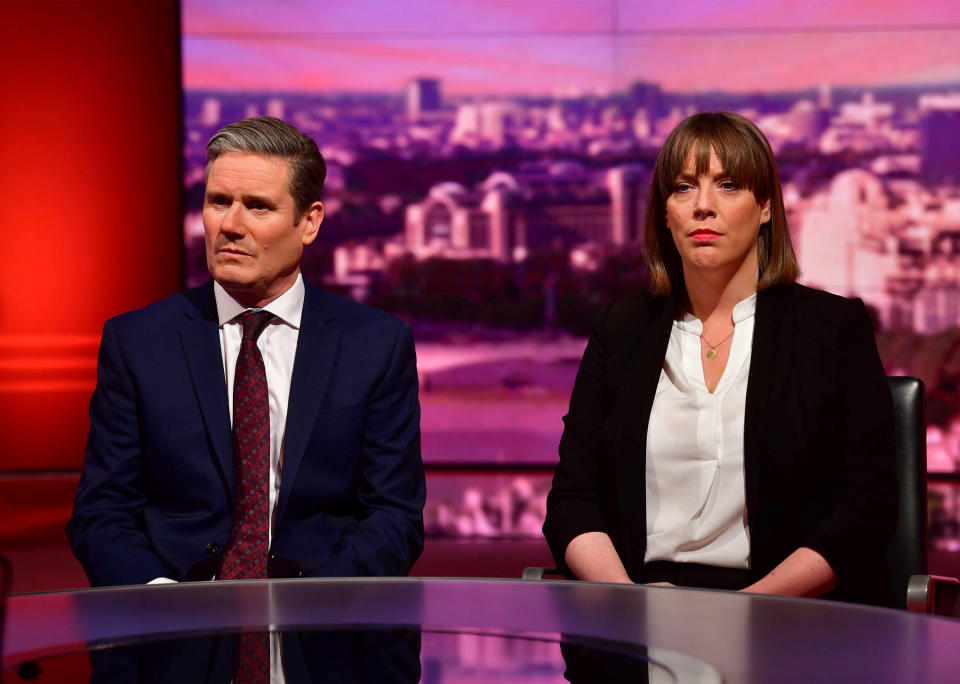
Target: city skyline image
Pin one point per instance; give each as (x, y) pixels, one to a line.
(488, 171)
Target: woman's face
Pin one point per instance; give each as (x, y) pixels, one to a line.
(713, 221)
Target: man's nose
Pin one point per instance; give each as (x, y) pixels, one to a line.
(706, 202)
(232, 222)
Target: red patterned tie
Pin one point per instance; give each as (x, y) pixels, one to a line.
(245, 556)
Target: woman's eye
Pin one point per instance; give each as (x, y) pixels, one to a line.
(681, 188)
(729, 186)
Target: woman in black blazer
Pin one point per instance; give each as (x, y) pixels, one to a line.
(810, 502)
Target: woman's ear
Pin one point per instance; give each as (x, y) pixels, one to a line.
(765, 212)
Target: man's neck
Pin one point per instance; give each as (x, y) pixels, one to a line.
(255, 297)
(288, 306)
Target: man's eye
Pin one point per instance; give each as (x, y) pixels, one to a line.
(218, 201)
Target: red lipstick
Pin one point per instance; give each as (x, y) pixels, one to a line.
(704, 235)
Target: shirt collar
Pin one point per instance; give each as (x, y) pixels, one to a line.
(288, 307)
(743, 310)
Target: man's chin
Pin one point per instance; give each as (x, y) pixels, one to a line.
(234, 279)
(230, 271)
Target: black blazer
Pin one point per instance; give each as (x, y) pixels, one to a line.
(819, 461)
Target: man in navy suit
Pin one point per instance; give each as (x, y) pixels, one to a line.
(165, 478)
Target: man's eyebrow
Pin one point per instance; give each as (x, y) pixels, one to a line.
(252, 198)
(261, 199)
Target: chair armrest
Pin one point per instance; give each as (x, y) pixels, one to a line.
(538, 573)
(934, 594)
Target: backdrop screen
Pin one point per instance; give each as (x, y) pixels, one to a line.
(488, 167)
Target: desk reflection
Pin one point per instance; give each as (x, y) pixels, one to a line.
(306, 656)
(370, 655)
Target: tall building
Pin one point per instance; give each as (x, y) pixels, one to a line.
(936, 305)
(210, 114)
(845, 241)
(488, 123)
(495, 119)
(275, 108)
(627, 186)
(825, 96)
(939, 142)
(649, 97)
(422, 95)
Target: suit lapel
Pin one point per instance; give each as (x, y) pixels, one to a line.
(317, 350)
(201, 346)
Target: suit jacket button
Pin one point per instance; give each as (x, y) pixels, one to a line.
(212, 548)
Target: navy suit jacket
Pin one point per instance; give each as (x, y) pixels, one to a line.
(156, 495)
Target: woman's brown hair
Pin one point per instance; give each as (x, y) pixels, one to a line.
(748, 161)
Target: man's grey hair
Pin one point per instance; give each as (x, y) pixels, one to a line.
(271, 137)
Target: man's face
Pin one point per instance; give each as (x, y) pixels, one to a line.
(253, 235)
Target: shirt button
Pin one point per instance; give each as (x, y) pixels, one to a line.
(212, 548)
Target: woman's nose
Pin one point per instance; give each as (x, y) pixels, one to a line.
(706, 203)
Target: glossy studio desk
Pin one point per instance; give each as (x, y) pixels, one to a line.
(686, 634)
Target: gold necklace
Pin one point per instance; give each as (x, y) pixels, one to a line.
(712, 348)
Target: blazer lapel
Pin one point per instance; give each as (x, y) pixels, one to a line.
(201, 346)
(317, 350)
(764, 385)
(648, 345)
(648, 348)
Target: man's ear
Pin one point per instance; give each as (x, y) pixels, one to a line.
(311, 222)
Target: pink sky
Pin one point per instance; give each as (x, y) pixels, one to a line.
(501, 47)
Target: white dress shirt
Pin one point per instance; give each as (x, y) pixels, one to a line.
(695, 486)
(278, 346)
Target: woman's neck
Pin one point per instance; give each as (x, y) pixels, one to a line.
(711, 293)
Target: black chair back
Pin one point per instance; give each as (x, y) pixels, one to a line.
(907, 554)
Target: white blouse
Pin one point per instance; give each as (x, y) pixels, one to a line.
(696, 499)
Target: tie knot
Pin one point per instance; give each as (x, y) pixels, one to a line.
(254, 321)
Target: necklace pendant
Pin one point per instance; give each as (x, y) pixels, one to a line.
(711, 353)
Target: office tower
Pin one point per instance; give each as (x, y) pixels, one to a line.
(210, 114)
(275, 107)
(422, 95)
(627, 188)
(649, 97)
(939, 142)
